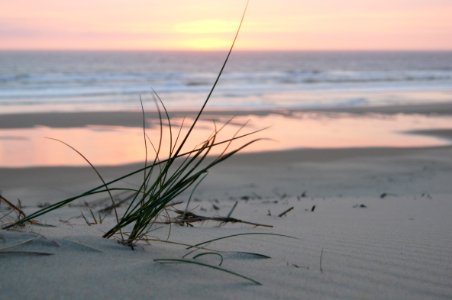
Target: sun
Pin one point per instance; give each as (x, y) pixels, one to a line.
(206, 43)
(206, 34)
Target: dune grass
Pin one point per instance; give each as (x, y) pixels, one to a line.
(167, 175)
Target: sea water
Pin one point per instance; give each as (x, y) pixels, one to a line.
(49, 81)
(115, 80)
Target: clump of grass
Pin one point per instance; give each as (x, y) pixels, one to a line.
(162, 179)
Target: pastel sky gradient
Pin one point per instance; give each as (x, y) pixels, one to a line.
(210, 24)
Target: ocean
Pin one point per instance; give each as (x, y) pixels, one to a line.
(115, 80)
(252, 81)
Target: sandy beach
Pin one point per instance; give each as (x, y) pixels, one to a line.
(368, 222)
(226, 150)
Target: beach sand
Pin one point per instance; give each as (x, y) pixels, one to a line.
(370, 223)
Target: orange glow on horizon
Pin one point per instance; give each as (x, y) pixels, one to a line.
(206, 26)
(205, 44)
(210, 25)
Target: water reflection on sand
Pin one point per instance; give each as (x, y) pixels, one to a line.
(113, 145)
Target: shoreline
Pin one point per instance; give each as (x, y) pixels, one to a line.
(133, 118)
(41, 179)
(103, 136)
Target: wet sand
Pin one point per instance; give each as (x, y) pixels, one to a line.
(371, 223)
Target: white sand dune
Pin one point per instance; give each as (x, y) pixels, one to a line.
(371, 223)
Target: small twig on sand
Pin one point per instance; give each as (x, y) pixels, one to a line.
(285, 212)
(232, 209)
(321, 257)
(189, 217)
(384, 195)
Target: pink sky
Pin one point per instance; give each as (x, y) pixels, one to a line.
(210, 24)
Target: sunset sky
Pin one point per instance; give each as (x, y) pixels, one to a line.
(210, 24)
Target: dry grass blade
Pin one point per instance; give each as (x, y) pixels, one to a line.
(12, 206)
(189, 218)
(20, 213)
(285, 212)
(26, 253)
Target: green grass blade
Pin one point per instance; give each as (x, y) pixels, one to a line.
(194, 262)
(241, 234)
(210, 253)
(217, 79)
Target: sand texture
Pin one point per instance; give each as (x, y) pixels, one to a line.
(380, 229)
(364, 223)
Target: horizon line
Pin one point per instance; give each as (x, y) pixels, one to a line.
(222, 50)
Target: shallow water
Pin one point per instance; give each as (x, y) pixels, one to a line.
(44, 81)
(114, 145)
